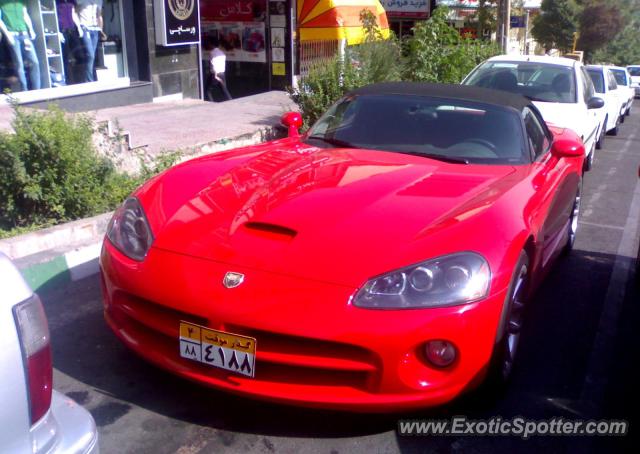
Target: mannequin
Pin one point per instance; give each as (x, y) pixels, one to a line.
(17, 29)
(89, 16)
(69, 26)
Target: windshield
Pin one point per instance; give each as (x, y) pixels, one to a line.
(450, 130)
(537, 81)
(620, 75)
(598, 79)
(634, 70)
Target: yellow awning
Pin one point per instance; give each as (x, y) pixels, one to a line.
(337, 19)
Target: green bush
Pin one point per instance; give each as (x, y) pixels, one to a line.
(437, 52)
(375, 60)
(50, 172)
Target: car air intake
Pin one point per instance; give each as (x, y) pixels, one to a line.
(273, 229)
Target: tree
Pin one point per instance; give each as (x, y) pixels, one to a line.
(624, 49)
(600, 22)
(556, 24)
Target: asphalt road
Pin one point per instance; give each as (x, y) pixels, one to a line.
(578, 358)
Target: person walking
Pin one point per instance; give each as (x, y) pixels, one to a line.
(217, 65)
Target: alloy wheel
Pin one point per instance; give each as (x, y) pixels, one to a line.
(573, 221)
(514, 322)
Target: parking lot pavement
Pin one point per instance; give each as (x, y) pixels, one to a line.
(577, 360)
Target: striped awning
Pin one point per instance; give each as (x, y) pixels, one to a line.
(337, 19)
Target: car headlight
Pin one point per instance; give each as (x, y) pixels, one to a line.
(444, 281)
(129, 230)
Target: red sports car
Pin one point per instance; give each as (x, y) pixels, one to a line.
(379, 262)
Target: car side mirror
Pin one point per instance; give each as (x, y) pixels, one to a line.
(567, 148)
(595, 103)
(293, 122)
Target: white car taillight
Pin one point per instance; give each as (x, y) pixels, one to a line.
(33, 332)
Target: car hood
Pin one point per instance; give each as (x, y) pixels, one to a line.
(320, 213)
(564, 115)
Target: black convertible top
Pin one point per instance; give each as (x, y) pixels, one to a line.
(450, 91)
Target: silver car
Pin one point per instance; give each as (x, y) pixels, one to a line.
(33, 417)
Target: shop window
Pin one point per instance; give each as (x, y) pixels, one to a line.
(56, 43)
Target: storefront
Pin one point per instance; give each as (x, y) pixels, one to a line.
(92, 54)
(256, 36)
(88, 54)
(62, 48)
(402, 14)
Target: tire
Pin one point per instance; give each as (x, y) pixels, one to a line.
(573, 221)
(588, 163)
(600, 142)
(506, 346)
(628, 112)
(614, 131)
(622, 118)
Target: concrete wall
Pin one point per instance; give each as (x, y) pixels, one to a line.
(174, 70)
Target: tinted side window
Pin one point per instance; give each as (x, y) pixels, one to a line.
(613, 85)
(588, 91)
(536, 134)
(597, 79)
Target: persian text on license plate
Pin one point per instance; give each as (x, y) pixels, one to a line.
(217, 348)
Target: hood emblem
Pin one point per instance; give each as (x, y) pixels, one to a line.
(232, 280)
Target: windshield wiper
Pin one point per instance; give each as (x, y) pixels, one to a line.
(332, 141)
(437, 157)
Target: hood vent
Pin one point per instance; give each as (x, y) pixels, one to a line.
(273, 230)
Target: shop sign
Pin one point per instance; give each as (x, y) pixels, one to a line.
(232, 10)
(518, 21)
(177, 22)
(406, 8)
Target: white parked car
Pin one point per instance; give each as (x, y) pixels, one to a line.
(623, 78)
(559, 87)
(634, 72)
(614, 100)
(34, 418)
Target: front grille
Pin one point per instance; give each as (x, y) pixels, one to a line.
(280, 358)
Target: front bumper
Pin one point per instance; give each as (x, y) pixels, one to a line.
(313, 347)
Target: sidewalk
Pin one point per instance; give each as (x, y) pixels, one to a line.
(190, 123)
(193, 123)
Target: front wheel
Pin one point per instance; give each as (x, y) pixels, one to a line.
(573, 221)
(603, 129)
(616, 129)
(588, 162)
(508, 340)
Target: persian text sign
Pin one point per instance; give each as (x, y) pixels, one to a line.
(406, 8)
(177, 22)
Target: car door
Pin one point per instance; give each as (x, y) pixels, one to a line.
(555, 184)
(616, 96)
(593, 118)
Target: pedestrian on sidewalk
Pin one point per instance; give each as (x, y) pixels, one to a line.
(217, 65)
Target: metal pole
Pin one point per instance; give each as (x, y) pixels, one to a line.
(507, 24)
(526, 33)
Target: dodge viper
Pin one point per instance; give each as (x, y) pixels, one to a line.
(381, 261)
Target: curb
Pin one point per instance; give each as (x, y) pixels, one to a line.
(63, 253)
(70, 266)
(69, 252)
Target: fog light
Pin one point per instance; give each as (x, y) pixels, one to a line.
(440, 353)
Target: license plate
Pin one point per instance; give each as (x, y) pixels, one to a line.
(219, 349)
